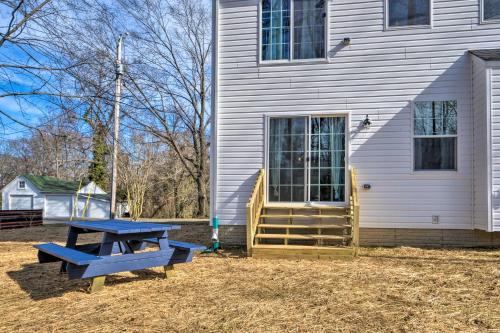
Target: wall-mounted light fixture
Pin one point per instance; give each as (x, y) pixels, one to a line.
(346, 41)
(367, 123)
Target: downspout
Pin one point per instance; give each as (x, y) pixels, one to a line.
(213, 129)
(489, 153)
(472, 99)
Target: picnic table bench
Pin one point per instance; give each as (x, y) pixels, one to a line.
(118, 250)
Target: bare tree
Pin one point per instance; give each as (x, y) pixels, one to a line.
(21, 13)
(169, 80)
(135, 171)
(63, 55)
(56, 151)
(87, 40)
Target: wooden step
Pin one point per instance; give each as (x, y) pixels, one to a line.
(264, 251)
(301, 237)
(337, 208)
(303, 226)
(294, 216)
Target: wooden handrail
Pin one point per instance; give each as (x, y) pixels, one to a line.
(354, 201)
(254, 209)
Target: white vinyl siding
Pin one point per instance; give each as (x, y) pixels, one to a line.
(481, 146)
(98, 209)
(379, 74)
(495, 146)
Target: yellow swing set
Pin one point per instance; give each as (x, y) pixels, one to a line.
(75, 203)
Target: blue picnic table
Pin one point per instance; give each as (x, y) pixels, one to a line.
(120, 250)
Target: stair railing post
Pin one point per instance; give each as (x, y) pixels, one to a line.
(354, 212)
(254, 208)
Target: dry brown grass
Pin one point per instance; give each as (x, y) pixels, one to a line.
(384, 290)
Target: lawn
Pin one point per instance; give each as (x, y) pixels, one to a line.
(383, 290)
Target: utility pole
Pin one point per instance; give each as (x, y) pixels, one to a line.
(116, 129)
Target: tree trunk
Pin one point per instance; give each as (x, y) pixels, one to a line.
(202, 198)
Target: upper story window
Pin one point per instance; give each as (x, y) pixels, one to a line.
(21, 185)
(435, 135)
(408, 13)
(296, 24)
(491, 10)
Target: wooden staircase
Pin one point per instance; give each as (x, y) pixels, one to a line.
(301, 232)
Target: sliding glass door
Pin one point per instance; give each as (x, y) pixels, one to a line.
(327, 162)
(306, 159)
(286, 161)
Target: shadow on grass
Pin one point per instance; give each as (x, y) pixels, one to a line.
(53, 233)
(226, 253)
(434, 259)
(43, 281)
(425, 253)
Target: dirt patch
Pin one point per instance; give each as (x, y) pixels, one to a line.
(389, 290)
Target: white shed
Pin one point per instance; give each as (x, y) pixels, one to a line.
(59, 199)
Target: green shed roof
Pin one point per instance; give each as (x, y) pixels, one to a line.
(97, 196)
(47, 184)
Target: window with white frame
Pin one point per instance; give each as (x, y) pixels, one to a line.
(293, 29)
(21, 184)
(435, 135)
(408, 13)
(490, 10)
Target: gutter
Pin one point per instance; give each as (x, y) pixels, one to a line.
(213, 130)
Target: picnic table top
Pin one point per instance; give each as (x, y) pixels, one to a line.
(123, 227)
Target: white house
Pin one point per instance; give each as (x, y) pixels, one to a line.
(58, 198)
(407, 92)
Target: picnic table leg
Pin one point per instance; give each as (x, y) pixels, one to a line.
(163, 244)
(125, 247)
(70, 243)
(106, 249)
(169, 271)
(163, 241)
(97, 284)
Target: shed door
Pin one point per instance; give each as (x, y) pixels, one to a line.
(21, 202)
(58, 206)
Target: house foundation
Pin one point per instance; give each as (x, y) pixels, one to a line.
(235, 235)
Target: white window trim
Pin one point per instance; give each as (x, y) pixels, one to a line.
(19, 184)
(413, 137)
(290, 59)
(481, 15)
(318, 204)
(408, 27)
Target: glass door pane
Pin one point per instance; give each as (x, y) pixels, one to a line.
(286, 160)
(327, 159)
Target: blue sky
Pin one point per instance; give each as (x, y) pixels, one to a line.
(28, 110)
